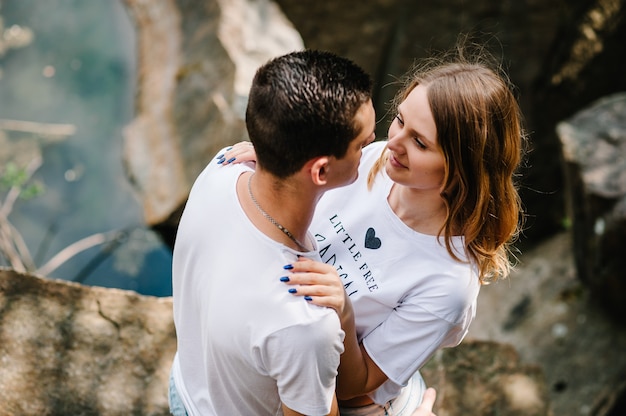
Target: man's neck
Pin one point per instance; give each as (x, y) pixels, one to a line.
(281, 209)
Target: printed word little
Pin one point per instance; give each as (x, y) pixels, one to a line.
(329, 255)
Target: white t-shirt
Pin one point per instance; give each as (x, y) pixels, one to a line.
(244, 343)
(410, 297)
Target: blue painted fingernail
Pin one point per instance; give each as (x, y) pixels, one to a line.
(284, 279)
(220, 156)
(288, 267)
(219, 162)
(293, 290)
(232, 159)
(308, 298)
(229, 148)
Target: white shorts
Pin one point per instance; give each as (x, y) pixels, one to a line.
(407, 401)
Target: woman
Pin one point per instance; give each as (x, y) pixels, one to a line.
(429, 220)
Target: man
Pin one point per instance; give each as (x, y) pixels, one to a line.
(246, 346)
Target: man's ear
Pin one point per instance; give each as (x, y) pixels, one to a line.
(319, 170)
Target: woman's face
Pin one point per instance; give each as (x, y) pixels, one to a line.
(415, 158)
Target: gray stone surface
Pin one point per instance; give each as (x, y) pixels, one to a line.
(196, 61)
(67, 349)
(547, 314)
(486, 378)
(594, 150)
(595, 139)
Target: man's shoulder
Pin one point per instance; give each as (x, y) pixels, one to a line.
(318, 326)
(215, 177)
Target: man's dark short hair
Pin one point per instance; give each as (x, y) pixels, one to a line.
(303, 105)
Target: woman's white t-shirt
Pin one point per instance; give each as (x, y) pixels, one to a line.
(410, 297)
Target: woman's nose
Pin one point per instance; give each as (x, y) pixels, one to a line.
(394, 140)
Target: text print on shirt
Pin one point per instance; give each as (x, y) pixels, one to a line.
(330, 256)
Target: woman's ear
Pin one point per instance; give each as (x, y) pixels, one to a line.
(319, 170)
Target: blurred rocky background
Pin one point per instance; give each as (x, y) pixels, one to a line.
(156, 88)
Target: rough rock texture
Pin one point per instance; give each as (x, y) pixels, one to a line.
(67, 349)
(594, 148)
(486, 378)
(196, 59)
(547, 314)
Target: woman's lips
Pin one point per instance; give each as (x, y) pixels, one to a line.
(394, 162)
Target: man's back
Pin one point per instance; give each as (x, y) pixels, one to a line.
(245, 343)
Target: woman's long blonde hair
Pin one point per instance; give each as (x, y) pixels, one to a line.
(479, 129)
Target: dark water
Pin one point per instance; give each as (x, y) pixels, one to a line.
(79, 70)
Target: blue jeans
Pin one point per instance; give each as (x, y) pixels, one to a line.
(177, 408)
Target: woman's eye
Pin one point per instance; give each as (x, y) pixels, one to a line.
(400, 121)
(420, 143)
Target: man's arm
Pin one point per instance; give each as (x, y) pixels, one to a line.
(305, 386)
(358, 374)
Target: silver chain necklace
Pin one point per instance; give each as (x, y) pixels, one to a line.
(272, 220)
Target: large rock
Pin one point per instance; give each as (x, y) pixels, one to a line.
(486, 378)
(594, 149)
(196, 62)
(545, 312)
(67, 349)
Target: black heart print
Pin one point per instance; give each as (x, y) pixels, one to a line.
(371, 241)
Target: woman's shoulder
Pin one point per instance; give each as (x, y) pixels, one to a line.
(434, 269)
